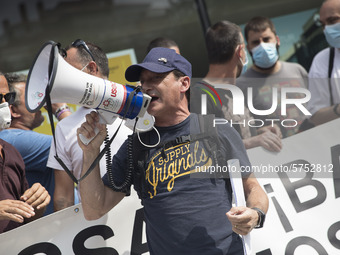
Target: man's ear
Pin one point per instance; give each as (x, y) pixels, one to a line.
(93, 68)
(185, 81)
(238, 51)
(278, 40)
(14, 112)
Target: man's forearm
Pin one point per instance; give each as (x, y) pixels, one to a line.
(96, 198)
(63, 191)
(258, 198)
(92, 189)
(61, 203)
(255, 195)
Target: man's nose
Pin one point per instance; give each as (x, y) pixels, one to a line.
(145, 87)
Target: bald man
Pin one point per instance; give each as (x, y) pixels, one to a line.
(324, 104)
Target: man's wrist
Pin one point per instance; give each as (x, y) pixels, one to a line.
(261, 217)
(61, 110)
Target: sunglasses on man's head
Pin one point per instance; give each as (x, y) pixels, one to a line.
(9, 97)
(76, 44)
(80, 42)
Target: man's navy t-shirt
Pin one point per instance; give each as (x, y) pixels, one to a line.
(186, 215)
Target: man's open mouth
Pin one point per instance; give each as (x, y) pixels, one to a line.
(154, 98)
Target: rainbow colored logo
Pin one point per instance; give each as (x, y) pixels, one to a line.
(211, 93)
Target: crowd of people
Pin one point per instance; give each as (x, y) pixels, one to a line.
(180, 217)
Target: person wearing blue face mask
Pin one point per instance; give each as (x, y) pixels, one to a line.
(265, 55)
(271, 75)
(228, 60)
(324, 74)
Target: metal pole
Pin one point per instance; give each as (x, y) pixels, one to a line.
(202, 12)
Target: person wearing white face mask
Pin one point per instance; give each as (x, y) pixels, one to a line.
(324, 74)
(5, 115)
(269, 73)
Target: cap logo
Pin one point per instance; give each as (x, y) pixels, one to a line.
(164, 60)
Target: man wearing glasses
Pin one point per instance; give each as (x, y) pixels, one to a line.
(79, 55)
(324, 74)
(90, 59)
(18, 203)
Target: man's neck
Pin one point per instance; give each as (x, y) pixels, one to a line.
(18, 125)
(172, 119)
(161, 122)
(221, 73)
(271, 70)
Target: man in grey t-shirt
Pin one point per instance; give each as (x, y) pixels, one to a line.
(268, 75)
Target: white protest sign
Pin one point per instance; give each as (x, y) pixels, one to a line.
(239, 198)
(67, 232)
(303, 216)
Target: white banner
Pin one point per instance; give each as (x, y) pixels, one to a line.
(67, 232)
(304, 210)
(303, 216)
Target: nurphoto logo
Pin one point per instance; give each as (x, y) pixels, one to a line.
(239, 103)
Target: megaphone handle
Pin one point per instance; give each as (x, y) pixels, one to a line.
(85, 140)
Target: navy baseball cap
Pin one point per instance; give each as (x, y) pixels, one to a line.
(159, 60)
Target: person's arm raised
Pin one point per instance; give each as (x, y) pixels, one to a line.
(97, 199)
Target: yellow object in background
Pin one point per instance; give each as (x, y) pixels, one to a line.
(118, 63)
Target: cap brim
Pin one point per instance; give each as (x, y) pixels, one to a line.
(133, 72)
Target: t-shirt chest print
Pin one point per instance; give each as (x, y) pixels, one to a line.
(177, 162)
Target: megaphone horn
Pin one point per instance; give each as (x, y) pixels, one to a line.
(50, 73)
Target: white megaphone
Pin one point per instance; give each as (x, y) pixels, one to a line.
(51, 74)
